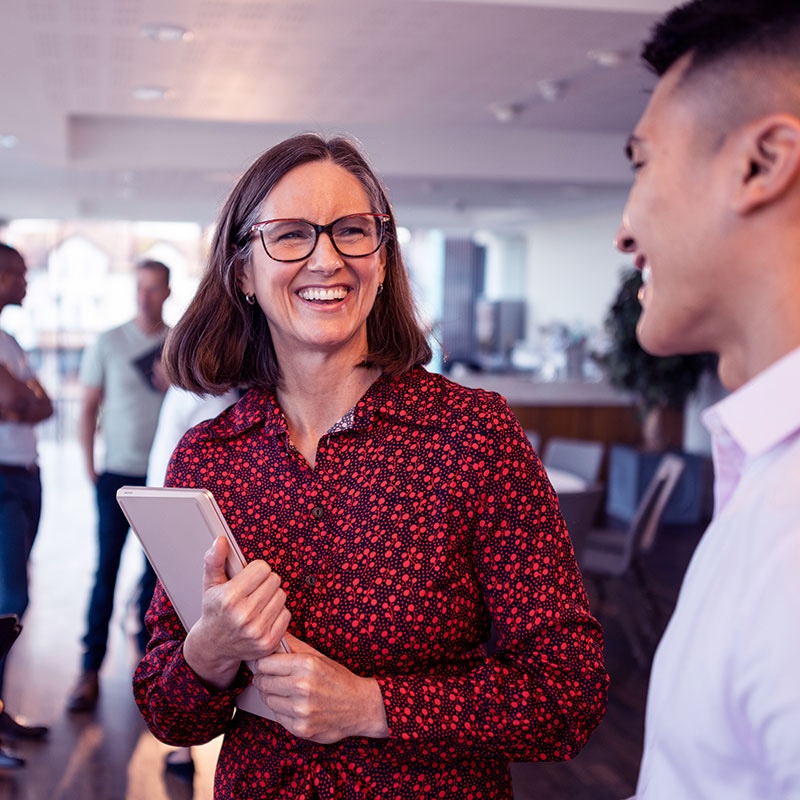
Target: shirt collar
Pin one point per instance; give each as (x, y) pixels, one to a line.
(406, 398)
(764, 411)
(751, 422)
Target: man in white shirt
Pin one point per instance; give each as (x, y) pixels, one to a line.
(23, 404)
(713, 220)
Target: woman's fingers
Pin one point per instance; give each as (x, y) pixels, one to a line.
(246, 615)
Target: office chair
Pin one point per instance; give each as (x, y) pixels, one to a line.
(614, 556)
(534, 438)
(581, 457)
(579, 510)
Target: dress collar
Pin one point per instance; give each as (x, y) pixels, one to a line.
(409, 398)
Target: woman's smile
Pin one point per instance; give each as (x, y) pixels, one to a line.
(327, 296)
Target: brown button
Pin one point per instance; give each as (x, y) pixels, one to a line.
(311, 580)
(317, 512)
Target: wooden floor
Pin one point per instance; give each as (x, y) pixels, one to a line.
(110, 756)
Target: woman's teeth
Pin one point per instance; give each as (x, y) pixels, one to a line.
(323, 295)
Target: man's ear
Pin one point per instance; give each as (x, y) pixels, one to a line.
(770, 161)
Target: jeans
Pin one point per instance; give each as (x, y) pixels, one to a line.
(20, 509)
(112, 530)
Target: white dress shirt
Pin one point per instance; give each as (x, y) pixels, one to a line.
(180, 411)
(723, 709)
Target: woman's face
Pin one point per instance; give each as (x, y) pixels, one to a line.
(319, 304)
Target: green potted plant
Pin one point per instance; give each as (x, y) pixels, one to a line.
(661, 384)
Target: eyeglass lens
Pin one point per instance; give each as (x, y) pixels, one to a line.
(294, 239)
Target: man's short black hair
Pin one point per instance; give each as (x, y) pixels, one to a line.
(714, 29)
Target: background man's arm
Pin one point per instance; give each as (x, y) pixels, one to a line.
(22, 401)
(90, 410)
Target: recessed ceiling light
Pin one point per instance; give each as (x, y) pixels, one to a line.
(166, 33)
(606, 58)
(8, 140)
(506, 112)
(551, 90)
(151, 94)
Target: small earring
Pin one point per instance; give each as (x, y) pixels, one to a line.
(251, 299)
(380, 288)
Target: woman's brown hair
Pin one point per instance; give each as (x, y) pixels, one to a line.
(222, 341)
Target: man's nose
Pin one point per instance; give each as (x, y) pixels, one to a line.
(623, 240)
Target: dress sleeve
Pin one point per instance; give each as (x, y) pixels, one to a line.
(177, 708)
(543, 691)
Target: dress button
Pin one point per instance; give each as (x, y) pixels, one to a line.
(311, 580)
(317, 512)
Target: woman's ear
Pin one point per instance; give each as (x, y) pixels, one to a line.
(244, 277)
(382, 269)
(770, 159)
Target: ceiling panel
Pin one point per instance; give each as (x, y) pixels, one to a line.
(418, 81)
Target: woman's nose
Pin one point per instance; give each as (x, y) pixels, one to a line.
(325, 256)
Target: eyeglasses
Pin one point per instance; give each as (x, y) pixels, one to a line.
(353, 236)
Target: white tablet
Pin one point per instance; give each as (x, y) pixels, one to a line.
(176, 526)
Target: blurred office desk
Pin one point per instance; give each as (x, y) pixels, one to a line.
(573, 408)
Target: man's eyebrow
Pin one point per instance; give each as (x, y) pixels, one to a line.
(630, 144)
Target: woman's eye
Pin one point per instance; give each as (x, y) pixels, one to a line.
(288, 234)
(351, 231)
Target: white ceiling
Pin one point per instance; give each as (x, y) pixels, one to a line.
(415, 80)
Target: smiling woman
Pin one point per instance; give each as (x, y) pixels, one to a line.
(391, 520)
(317, 282)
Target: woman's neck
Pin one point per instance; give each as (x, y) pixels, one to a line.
(315, 394)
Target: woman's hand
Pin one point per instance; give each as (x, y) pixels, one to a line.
(243, 618)
(318, 699)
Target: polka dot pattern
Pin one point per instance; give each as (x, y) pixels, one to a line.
(426, 519)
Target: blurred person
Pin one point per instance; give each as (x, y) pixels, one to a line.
(123, 390)
(180, 411)
(390, 518)
(712, 221)
(23, 404)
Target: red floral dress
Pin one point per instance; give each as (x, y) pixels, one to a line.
(426, 519)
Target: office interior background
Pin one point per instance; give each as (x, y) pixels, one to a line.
(499, 129)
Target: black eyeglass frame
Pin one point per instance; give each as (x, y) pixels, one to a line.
(258, 227)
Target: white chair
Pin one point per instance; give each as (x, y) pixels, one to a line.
(612, 555)
(581, 457)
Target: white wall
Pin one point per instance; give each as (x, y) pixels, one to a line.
(506, 265)
(573, 270)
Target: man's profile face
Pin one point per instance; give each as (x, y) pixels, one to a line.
(152, 290)
(13, 282)
(674, 219)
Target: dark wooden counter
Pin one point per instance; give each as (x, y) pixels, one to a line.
(577, 409)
